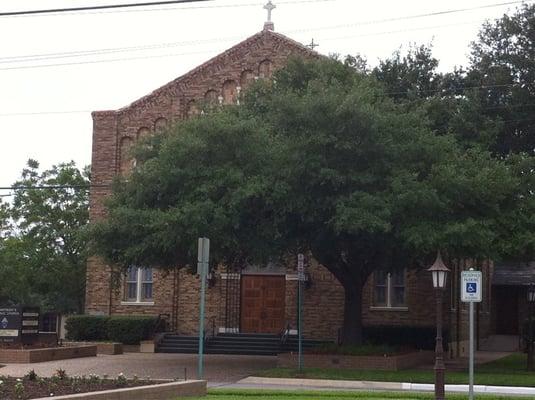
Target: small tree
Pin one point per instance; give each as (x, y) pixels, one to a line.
(42, 253)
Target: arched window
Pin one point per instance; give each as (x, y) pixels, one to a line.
(192, 109)
(265, 69)
(211, 97)
(229, 92)
(247, 77)
(160, 124)
(143, 133)
(126, 162)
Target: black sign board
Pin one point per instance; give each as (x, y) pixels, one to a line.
(30, 324)
(10, 324)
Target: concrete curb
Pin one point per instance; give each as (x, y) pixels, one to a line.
(163, 391)
(389, 386)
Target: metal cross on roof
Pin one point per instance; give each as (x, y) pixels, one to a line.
(313, 45)
(269, 7)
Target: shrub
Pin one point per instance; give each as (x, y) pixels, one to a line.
(87, 327)
(130, 329)
(421, 338)
(362, 350)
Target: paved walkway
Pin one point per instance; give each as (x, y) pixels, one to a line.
(217, 368)
(324, 384)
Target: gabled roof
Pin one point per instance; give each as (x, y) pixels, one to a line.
(247, 43)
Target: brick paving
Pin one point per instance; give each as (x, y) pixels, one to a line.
(218, 368)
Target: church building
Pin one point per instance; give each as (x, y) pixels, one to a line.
(252, 300)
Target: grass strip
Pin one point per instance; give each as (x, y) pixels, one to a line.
(255, 394)
(509, 371)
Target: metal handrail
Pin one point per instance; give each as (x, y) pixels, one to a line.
(207, 336)
(284, 334)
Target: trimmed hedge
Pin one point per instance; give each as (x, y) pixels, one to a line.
(123, 329)
(421, 338)
(87, 327)
(128, 330)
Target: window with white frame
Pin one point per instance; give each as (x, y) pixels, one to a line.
(389, 289)
(138, 285)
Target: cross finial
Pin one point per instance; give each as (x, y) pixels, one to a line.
(313, 45)
(268, 25)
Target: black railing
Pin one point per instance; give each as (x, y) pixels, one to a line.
(209, 334)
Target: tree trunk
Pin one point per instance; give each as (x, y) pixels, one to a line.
(352, 329)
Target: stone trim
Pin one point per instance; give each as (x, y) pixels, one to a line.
(137, 303)
(225, 275)
(385, 308)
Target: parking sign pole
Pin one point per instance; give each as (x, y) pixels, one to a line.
(471, 285)
(471, 365)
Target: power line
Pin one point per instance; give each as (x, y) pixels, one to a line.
(82, 53)
(430, 91)
(46, 187)
(176, 8)
(416, 16)
(103, 7)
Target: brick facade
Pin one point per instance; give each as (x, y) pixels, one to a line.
(176, 293)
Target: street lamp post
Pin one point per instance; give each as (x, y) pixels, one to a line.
(531, 300)
(439, 272)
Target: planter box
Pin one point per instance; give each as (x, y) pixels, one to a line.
(164, 391)
(384, 363)
(46, 354)
(146, 346)
(109, 348)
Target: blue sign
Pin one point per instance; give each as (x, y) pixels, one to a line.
(5, 322)
(471, 287)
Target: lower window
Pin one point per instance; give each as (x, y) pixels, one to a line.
(138, 285)
(389, 289)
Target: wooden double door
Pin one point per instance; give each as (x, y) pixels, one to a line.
(262, 303)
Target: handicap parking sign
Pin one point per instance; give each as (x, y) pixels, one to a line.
(471, 287)
(471, 282)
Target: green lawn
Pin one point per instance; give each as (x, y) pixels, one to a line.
(226, 394)
(509, 371)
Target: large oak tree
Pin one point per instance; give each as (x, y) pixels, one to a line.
(318, 160)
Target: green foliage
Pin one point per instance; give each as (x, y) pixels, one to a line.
(130, 329)
(404, 337)
(87, 327)
(42, 239)
(362, 350)
(320, 160)
(123, 329)
(502, 62)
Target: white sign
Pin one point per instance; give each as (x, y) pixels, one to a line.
(9, 332)
(471, 286)
(300, 267)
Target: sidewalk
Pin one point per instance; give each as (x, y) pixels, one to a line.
(324, 384)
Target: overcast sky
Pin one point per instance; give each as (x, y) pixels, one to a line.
(45, 111)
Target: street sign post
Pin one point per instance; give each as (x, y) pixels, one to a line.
(203, 255)
(471, 292)
(300, 279)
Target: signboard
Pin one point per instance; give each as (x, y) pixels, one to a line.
(301, 267)
(29, 324)
(471, 286)
(10, 323)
